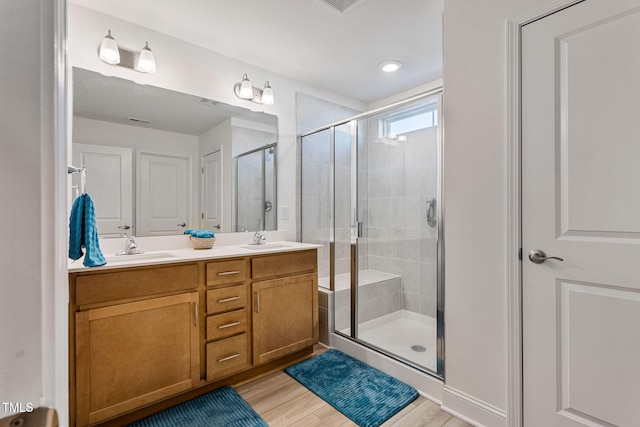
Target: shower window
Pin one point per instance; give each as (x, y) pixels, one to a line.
(396, 124)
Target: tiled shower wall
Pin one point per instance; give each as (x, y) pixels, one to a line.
(401, 176)
(313, 113)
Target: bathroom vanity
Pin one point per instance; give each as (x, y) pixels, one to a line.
(149, 333)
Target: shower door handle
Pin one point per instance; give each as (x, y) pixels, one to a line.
(431, 211)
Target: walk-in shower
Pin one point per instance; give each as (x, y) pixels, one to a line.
(370, 195)
(255, 190)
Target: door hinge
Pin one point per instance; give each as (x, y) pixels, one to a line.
(520, 254)
(203, 169)
(202, 215)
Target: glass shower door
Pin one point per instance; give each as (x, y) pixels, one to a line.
(397, 192)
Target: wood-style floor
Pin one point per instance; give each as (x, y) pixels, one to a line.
(282, 401)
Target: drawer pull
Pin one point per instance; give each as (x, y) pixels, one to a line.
(228, 325)
(229, 299)
(228, 273)
(224, 359)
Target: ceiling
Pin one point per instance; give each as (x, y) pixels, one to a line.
(306, 40)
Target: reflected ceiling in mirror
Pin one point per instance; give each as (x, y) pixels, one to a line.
(116, 100)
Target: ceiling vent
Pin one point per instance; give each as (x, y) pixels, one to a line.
(137, 120)
(342, 6)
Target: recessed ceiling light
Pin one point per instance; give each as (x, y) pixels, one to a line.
(390, 66)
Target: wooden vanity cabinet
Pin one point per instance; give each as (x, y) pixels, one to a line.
(143, 338)
(131, 351)
(228, 346)
(285, 304)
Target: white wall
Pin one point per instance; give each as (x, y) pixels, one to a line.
(190, 69)
(475, 196)
(33, 296)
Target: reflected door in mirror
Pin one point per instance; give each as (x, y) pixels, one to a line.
(109, 183)
(163, 194)
(212, 191)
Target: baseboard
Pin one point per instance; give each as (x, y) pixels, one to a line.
(472, 410)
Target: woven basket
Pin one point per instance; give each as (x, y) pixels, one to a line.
(202, 243)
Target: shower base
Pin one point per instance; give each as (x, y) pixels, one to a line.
(396, 333)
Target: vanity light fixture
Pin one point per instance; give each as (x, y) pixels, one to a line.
(146, 60)
(390, 66)
(143, 61)
(267, 94)
(109, 50)
(244, 90)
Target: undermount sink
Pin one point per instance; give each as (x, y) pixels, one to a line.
(114, 259)
(266, 246)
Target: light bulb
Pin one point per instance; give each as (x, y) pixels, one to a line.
(109, 50)
(246, 90)
(146, 60)
(267, 94)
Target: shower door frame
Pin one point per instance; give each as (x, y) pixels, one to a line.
(353, 121)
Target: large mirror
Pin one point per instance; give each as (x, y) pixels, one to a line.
(159, 161)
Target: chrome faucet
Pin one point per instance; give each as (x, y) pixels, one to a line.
(258, 238)
(130, 246)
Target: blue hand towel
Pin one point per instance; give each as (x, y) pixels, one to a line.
(203, 234)
(83, 232)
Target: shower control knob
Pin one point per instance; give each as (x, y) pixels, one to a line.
(538, 257)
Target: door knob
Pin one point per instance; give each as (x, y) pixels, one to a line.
(124, 227)
(184, 224)
(538, 257)
(217, 226)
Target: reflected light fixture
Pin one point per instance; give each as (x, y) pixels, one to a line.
(267, 94)
(390, 66)
(109, 50)
(146, 60)
(245, 90)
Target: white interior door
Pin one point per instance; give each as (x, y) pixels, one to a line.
(581, 186)
(163, 194)
(212, 191)
(109, 183)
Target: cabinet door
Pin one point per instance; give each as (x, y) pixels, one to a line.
(130, 355)
(285, 316)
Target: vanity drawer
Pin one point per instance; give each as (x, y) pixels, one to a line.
(284, 264)
(226, 324)
(227, 356)
(226, 299)
(226, 272)
(129, 283)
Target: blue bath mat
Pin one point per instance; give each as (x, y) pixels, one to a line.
(364, 394)
(222, 407)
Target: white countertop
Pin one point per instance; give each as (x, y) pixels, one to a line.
(183, 254)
